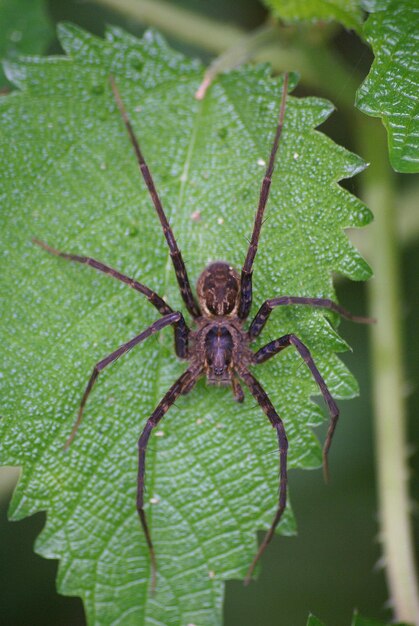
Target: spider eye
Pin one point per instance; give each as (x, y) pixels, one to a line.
(218, 289)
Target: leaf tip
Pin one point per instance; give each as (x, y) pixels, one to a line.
(67, 29)
(72, 37)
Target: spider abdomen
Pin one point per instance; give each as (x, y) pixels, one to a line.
(219, 346)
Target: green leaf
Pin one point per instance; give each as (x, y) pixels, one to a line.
(24, 29)
(391, 88)
(357, 621)
(347, 12)
(70, 178)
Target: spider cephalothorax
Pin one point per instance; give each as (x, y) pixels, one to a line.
(218, 289)
(218, 346)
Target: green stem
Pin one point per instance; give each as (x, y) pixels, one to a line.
(191, 28)
(388, 377)
(407, 217)
(246, 48)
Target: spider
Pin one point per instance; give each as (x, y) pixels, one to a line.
(218, 345)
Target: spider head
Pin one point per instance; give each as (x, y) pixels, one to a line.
(218, 289)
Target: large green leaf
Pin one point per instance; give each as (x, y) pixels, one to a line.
(70, 178)
(356, 621)
(347, 12)
(391, 89)
(24, 29)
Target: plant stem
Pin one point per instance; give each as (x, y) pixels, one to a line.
(388, 377)
(247, 47)
(189, 27)
(407, 217)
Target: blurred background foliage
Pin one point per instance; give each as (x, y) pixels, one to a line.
(334, 564)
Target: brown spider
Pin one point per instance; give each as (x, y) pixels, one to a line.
(219, 346)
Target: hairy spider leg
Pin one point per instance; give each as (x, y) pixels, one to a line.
(175, 253)
(247, 270)
(271, 349)
(183, 385)
(262, 398)
(267, 307)
(167, 320)
(181, 329)
(237, 390)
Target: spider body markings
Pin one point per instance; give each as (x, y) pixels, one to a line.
(218, 346)
(220, 343)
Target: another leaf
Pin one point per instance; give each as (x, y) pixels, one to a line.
(70, 178)
(391, 89)
(24, 29)
(347, 12)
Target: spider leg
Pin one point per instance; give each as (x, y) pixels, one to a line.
(171, 318)
(262, 398)
(267, 307)
(247, 270)
(237, 390)
(183, 385)
(178, 263)
(180, 328)
(280, 344)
